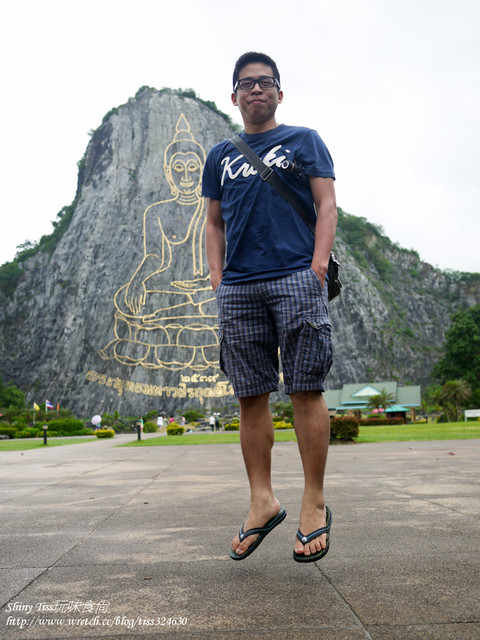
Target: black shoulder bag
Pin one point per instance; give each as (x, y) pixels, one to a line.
(268, 175)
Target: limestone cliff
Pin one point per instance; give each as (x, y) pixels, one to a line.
(115, 311)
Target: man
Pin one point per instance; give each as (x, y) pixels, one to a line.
(268, 272)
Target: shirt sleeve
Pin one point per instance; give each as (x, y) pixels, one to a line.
(211, 187)
(316, 158)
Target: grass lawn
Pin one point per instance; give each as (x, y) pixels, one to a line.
(447, 431)
(406, 432)
(22, 445)
(220, 437)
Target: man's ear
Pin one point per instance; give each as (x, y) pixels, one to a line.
(234, 100)
(280, 97)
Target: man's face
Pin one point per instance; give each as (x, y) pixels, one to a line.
(257, 106)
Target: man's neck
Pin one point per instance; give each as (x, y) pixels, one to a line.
(251, 127)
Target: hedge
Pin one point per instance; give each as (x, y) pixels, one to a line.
(383, 422)
(29, 432)
(105, 433)
(233, 425)
(150, 427)
(343, 428)
(281, 424)
(175, 429)
(68, 427)
(8, 430)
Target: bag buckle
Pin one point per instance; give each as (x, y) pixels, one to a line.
(266, 173)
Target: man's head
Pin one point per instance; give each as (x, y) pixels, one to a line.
(256, 91)
(251, 57)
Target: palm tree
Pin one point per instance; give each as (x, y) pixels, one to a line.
(374, 403)
(382, 400)
(453, 394)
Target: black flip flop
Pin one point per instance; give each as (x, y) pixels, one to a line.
(300, 557)
(261, 531)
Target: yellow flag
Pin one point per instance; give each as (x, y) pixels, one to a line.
(36, 407)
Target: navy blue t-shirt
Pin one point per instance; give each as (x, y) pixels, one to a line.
(266, 238)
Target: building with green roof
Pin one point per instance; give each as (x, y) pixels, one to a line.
(356, 397)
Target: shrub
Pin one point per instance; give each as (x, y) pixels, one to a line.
(20, 424)
(7, 430)
(384, 422)
(68, 427)
(29, 432)
(150, 427)
(233, 425)
(175, 429)
(281, 424)
(343, 428)
(105, 433)
(192, 415)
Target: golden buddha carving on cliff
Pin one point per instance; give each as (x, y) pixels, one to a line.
(165, 315)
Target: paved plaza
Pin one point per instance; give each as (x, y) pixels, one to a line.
(99, 541)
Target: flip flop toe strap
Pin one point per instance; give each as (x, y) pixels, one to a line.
(271, 524)
(318, 532)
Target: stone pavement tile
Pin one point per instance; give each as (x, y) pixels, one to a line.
(215, 597)
(143, 545)
(454, 631)
(24, 522)
(415, 589)
(323, 633)
(38, 550)
(12, 581)
(403, 533)
(467, 505)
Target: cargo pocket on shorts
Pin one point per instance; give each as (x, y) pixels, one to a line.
(223, 356)
(220, 349)
(315, 352)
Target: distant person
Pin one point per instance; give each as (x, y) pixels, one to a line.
(269, 275)
(160, 423)
(212, 423)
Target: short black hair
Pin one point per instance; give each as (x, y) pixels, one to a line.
(251, 57)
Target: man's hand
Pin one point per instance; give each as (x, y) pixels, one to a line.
(323, 193)
(215, 280)
(320, 271)
(215, 241)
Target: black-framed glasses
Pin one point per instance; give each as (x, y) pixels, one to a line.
(264, 82)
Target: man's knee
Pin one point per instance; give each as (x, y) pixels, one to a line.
(302, 398)
(253, 402)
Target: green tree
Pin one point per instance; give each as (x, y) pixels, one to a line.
(461, 360)
(453, 395)
(11, 396)
(283, 410)
(431, 398)
(383, 400)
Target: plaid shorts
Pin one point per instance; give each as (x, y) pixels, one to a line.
(261, 317)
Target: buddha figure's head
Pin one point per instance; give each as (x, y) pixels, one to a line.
(183, 163)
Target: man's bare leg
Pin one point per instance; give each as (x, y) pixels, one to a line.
(312, 427)
(256, 439)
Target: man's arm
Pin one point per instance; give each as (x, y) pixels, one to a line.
(215, 241)
(323, 192)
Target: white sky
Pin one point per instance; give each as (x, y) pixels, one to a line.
(392, 87)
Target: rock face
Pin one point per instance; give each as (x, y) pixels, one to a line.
(120, 314)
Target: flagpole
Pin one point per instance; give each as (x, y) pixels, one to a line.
(34, 414)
